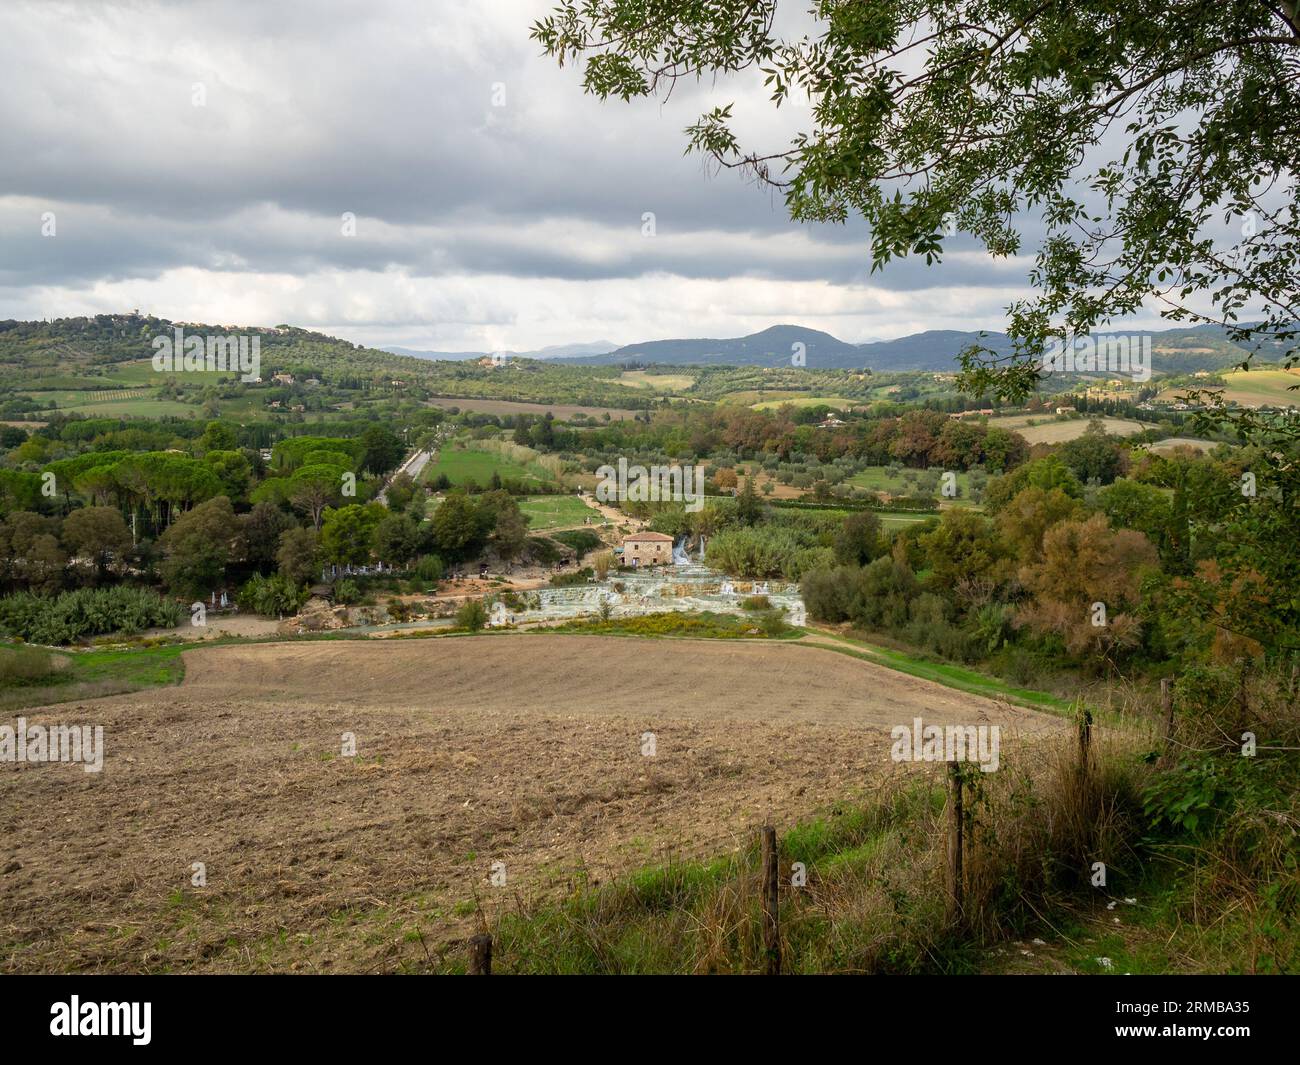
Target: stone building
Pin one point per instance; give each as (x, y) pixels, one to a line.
(647, 549)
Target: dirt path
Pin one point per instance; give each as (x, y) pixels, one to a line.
(521, 749)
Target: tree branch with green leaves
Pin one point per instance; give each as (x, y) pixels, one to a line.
(1152, 147)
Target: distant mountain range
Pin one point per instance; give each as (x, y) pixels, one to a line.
(554, 351)
(1181, 350)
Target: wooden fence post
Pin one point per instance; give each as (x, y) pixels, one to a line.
(771, 928)
(1167, 705)
(1085, 737)
(956, 828)
(480, 956)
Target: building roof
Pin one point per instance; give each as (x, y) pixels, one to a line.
(647, 536)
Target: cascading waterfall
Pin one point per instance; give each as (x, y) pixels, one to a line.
(686, 586)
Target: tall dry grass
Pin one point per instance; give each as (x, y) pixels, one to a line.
(1220, 895)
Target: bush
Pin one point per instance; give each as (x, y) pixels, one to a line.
(580, 540)
(563, 580)
(347, 592)
(543, 550)
(68, 617)
(26, 665)
(823, 592)
(759, 552)
(472, 615)
(879, 594)
(955, 643)
(1020, 666)
(272, 596)
(429, 568)
(756, 602)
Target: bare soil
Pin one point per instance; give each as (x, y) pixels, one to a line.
(514, 748)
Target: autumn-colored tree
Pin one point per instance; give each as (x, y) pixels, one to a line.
(1086, 584)
(1023, 522)
(917, 434)
(963, 547)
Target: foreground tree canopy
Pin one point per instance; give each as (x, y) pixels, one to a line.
(1151, 146)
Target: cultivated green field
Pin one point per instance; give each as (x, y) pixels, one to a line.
(478, 466)
(142, 373)
(556, 512)
(1171, 442)
(838, 402)
(666, 382)
(1272, 388)
(881, 479)
(901, 520)
(143, 407)
(890, 520)
(1049, 430)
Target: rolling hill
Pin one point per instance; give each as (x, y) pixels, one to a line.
(1175, 351)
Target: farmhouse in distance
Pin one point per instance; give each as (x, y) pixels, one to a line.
(647, 549)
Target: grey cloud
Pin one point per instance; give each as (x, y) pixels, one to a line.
(385, 110)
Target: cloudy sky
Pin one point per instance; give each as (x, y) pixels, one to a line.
(198, 160)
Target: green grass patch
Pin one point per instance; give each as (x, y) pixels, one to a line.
(889, 520)
(947, 674)
(838, 402)
(135, 408)
(555, 512)
(460, 467)
(904, 482)
(87, 674)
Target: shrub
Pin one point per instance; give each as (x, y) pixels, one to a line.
(1020, 665)
(878, 594)
(580, 540)
(543, 550)
(272, 596)
(26, 665)
(472, 615)
(68, 617)
(760, 552)
(347, 592)
(823, 592)
(429, 568)
(563, 580)
(756, 602)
